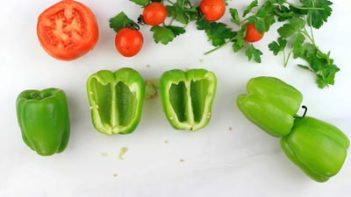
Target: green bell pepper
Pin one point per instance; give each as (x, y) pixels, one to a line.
(44, 120)
(187, 97)
(317, 147)
(116, 100)
(271, 104)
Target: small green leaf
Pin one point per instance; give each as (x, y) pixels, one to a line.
(277, 46)
(235, 16)
(141, 2)
(304, 67)
(181, 12)
(248, 9)
(297, 45)
(238, 41)
(120, 21)
(176, 30)
(238, 44)
(166, 34)
(217, 33)
(320, 14)
(163, 35)
(253, 53)
(260, 25)
(293, 26)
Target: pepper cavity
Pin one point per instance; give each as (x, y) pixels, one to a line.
(187, 97)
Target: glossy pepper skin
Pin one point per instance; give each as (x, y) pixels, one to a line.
(116, 100)
(43, 117)
(271, 104)
(317, 147)
(187, 97)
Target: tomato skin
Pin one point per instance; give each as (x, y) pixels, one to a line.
(128, 41)
(67, 30)
(154, 14)
(252, 35)
(212, 10)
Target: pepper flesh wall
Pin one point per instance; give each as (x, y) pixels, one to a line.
(116, 100)
(187, 97)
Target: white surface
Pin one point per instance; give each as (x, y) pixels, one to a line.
(217, 162)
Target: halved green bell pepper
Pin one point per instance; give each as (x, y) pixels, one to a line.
(116, 100)
(187, 97)
(44, 120)
(317, 147)
(271, 104)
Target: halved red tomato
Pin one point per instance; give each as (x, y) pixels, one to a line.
(67, 30)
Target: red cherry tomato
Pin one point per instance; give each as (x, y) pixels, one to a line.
(154, 14)
(129, 41)
(252, 35)
(67, 30)
(212, 9)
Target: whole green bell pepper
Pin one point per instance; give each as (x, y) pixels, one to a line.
(317, 147)
(187, 97)
(44, 120)
(116, 100)
(271, 104)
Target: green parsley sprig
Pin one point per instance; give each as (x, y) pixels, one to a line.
(296, 37)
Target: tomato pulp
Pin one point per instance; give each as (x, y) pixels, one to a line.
(67, 30)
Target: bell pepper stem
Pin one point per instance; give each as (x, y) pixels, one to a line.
(305, 112)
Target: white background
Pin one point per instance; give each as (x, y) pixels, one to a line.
(243, 161)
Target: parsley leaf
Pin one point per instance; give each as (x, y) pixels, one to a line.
(297, 44)
(248, 9)
(176, 30)
(165, 34)
(121, 20)
(253, 53)
(141, 2)
(182, 11)
(317, 16)
(277, 46)
(320, 63)
(294, 25)
(217, 33)
(238, 40)
(235, 16)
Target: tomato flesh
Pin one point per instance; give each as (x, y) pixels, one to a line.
(252, 35)
(129, 41)
(67, 30)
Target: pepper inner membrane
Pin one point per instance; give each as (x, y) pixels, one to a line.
(117, 96)
(125, 103)
(198, 91)
(179, 99)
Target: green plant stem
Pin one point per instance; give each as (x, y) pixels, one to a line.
(171, 2)
(171, 21)
(216, 48)
(303, 8)
(308, 36)
(286, 59)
